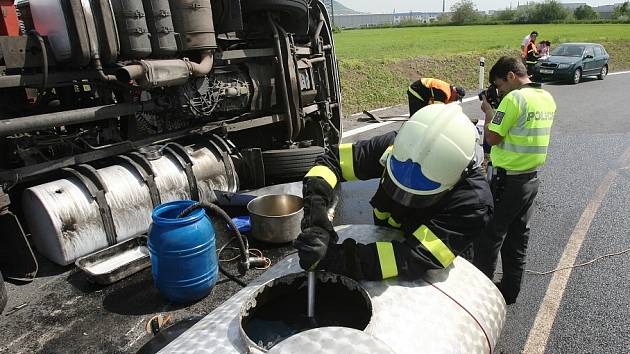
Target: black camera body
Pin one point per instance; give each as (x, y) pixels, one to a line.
(492, 96)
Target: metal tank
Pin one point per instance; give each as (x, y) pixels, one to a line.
(87, 211)
(193, 21)
(133, 32)
(160, 25)
(452, 310)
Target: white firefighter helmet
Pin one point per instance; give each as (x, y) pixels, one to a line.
(431, 153)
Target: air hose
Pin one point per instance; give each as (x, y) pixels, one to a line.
(245, 261)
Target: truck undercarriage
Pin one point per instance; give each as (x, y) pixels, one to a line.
(109, 108)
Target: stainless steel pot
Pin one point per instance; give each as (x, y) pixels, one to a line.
(276, 218)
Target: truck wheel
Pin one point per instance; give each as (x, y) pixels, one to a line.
(603, 72)
(290, 7)
(3, 294)
(577, 76)
(290, 164)
(292, 14)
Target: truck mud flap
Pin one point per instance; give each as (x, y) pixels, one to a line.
(17, 261)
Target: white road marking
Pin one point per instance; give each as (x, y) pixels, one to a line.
(371, 126)
(539, 334)
(619, 73)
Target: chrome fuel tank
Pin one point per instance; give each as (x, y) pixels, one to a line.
(67, 221)
(453, 310)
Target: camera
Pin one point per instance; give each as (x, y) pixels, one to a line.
(492, 96)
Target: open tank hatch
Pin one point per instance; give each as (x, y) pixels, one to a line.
(278, 309)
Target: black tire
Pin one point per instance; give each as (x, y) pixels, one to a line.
(292, 14)
(603, 72)
(577, 76)
(3, 294)
(290, 7)
(290, 164)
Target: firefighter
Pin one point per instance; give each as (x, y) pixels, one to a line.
(430, 189)
(427, 91)
(531, 57)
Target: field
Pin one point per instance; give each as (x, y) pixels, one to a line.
(377, 65)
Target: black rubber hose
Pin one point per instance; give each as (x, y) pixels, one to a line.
(42, 46)
(224, 271)
(243, 265)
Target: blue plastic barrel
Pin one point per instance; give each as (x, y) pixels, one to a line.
(183, 252)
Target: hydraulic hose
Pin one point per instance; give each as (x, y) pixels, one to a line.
(243, 264)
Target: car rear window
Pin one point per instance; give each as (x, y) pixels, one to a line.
(568, 51)
(598, 52)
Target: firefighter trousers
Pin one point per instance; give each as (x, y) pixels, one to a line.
(508, 231)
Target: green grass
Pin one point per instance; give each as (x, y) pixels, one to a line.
(377, 65)
(409, 42)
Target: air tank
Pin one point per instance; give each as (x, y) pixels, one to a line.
(133, 32)
(193, 22)
(160, 26)
(66, 221)
(49, 20)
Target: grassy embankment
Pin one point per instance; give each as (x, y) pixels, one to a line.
(377, 65)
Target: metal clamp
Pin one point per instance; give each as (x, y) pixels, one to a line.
(143, 167)
(181, 155)
(95, 185)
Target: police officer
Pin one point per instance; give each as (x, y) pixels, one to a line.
(430, 189)
(519, 134)
(427, 91)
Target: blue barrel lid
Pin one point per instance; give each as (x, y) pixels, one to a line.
(167, 213)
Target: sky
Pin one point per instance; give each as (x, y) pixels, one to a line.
(380, 6)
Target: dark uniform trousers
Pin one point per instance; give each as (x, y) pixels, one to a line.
(508, 231)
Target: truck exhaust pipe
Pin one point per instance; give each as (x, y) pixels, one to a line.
(164, 73)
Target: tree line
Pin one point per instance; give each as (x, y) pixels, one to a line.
(465, 12)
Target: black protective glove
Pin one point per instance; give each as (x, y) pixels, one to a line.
(317, 230)
(312, 245)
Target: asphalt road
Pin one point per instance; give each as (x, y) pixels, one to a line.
(583, 212)
(583, 202)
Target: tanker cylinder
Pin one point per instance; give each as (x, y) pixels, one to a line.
(92, 208)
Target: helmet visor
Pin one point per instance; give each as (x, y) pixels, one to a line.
(406, 198)
(410, 175)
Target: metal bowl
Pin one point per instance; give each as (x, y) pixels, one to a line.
(276, 218)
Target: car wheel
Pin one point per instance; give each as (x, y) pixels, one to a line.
(577, 76)
(289, 164)
(603, 72)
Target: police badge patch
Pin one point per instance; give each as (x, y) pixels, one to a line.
(498, 117)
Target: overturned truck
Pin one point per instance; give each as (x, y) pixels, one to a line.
(111, 107)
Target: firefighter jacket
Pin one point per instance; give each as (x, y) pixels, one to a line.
(532, 53)
(430, 90)
(434, 236)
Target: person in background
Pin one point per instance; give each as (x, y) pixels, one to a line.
(431, 189)
(428, 91)
(525, 43)
(519, 133)
(532, 57)
(543, 49)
